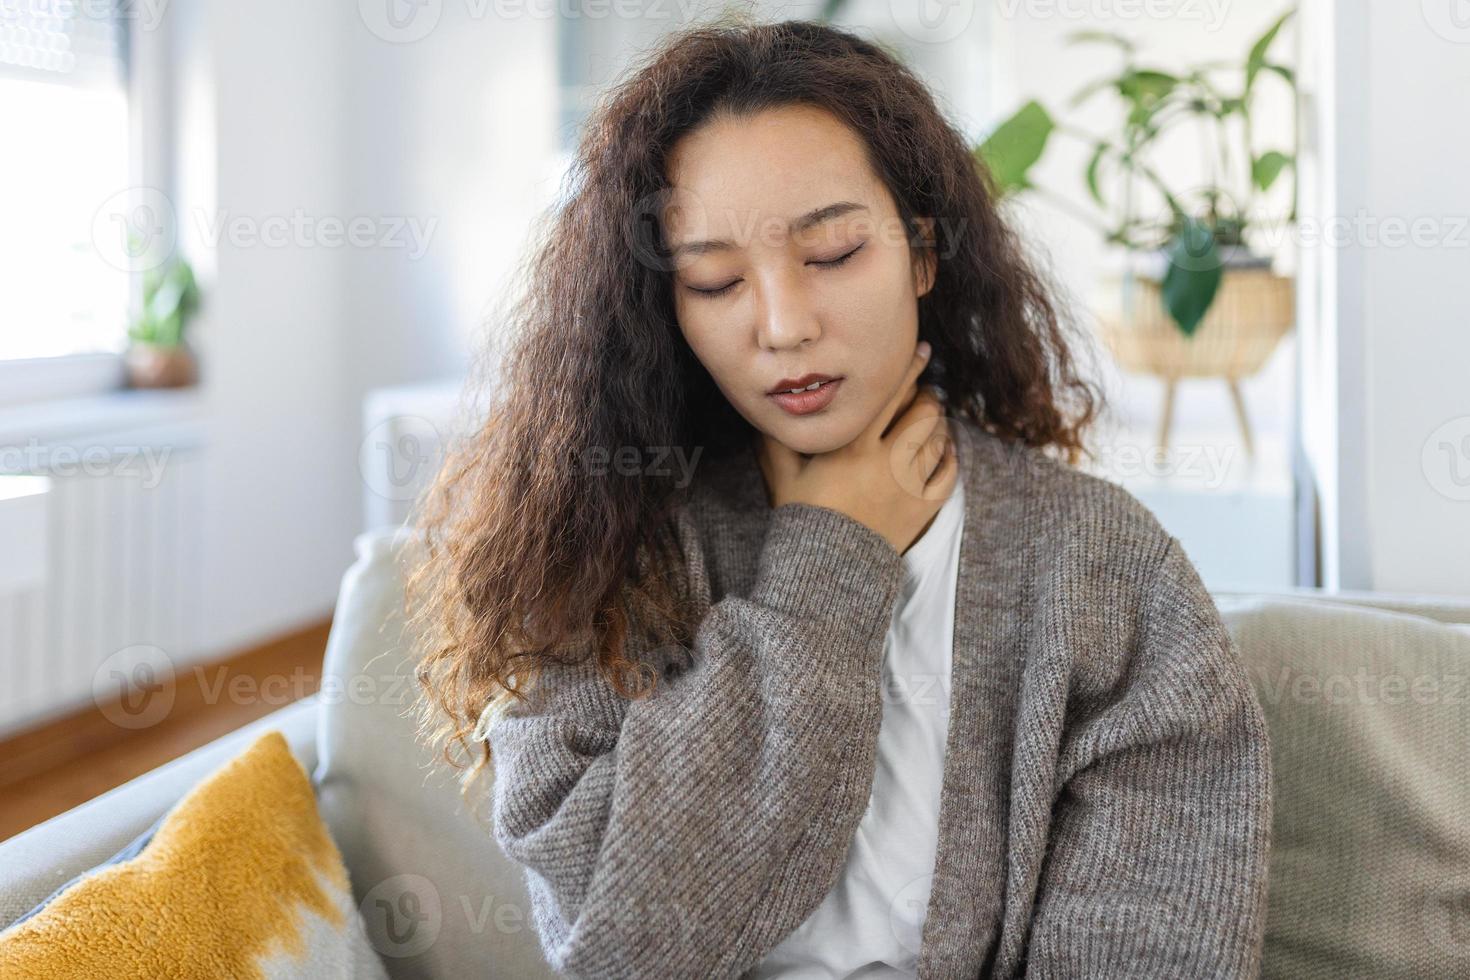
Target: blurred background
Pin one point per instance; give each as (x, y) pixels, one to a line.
(250, 251)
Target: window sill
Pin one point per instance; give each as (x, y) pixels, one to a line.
(27, 380)
(139, 415)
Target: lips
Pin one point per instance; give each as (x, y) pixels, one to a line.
(805, 381)
(807, 402)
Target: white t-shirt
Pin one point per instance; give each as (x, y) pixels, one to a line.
(870, 922)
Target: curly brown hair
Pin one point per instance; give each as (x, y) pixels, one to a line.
(525, 561)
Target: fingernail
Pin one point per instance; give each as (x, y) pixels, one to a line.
(924, 348)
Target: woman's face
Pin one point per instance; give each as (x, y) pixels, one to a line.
(790, 260)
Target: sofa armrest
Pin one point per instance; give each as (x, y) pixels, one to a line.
(36, 862)
(1451, 609)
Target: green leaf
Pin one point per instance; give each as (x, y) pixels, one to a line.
(1256, 60)
(1267, 168)
(1103, 37)
(1193, 277)
(1283, 71)
(1015, 145)
(170, 297)
(170, 330)
(1146, 86)
(1092, 172)
(1092, 88)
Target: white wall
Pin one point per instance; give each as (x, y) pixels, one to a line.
(441, 146)
(279, 483)
(1392, 436)
(454, 130)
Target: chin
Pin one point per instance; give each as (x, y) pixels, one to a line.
(812, 435)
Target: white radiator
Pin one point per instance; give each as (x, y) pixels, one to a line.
(406, 430)
(122, 577)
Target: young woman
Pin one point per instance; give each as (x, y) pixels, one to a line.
(797, 649)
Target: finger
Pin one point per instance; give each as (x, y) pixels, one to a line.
(878, 427)
(942, 481)
(916, 423)
(931, 453)
(914, 450)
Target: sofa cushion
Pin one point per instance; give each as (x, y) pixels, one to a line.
(37, 862)
(1369, 713)
(438, 896)
(130, 851)
(240, 878)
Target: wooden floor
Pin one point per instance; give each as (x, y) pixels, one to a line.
(51, 769)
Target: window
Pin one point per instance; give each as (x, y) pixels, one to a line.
(64, 116)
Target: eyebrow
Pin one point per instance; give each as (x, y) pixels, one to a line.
(813, 217)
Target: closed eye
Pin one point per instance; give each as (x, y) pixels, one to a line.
(826, 264)
(833, 263)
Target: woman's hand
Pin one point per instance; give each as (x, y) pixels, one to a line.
(892, 479)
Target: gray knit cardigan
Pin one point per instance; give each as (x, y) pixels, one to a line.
(1106, 801)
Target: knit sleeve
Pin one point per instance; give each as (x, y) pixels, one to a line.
(651, 830)
(1157, 858)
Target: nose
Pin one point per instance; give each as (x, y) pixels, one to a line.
(785, 315)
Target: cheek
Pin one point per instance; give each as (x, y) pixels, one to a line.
(711, 338)
(880, 317)
(884, 327)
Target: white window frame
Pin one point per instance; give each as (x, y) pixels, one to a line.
(150, 142)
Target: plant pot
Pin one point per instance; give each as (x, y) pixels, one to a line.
(152, 366)
(1253, 310)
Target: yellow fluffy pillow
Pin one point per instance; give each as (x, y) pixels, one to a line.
(240, 879)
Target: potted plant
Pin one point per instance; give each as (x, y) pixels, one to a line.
(1193, 298)
(157, 356)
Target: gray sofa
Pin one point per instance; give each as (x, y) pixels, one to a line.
(440, 900)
